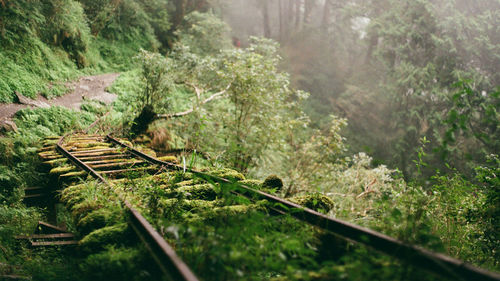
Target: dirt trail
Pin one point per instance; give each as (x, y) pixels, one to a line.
(88, 87)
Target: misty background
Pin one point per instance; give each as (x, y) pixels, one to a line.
(390, 67)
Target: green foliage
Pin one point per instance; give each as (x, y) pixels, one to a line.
(30, 71)
(18, 150)
(155, 69)
(116, 263)
(472, 121)
(45, 42)
(204, 34)
(159, 14)
(67, 27)
(42, 42)
(54, 121)
(261, 103)
(49, 264)
(489, 212)
(16, 221)
(308, 158)
(99, 13)
(220, 237)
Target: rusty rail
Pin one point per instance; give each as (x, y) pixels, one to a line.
(163, 254)
(437, 263)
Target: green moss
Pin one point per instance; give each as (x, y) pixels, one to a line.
(115, 263)
(63, 169)
(273, 181)
(48, 154)
(142, 139)
(168, 158)
(81, 209)
(93, 148)
(73, 174)
(73, 200)
(234, 210)
(317, 202)
(70, 193)
(199, 191)
(226, 173)
(98, 218)
(188, 205)
(92, 145)
(257, 184)
(126, 142)
(50, 142)
(56, 162)
(118, 234)
(185, 183)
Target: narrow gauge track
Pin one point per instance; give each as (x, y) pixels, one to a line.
(125, 159)
(92, 162)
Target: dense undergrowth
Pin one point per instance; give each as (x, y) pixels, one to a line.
(219, 235)
(244, 115)
(20, 167)
(46, 43)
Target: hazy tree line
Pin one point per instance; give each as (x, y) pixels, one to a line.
(391, 68)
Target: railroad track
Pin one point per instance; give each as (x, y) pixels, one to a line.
(107, 158)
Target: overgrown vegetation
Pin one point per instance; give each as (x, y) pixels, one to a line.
(410, 150)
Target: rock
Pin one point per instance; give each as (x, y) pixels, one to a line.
(36, 103)
(7, 126)
(84, 87)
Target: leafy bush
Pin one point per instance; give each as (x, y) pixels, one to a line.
(157, 79)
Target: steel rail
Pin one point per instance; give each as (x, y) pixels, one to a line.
(437, 263)
(163, 254)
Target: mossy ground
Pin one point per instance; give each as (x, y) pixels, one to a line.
(219, 235)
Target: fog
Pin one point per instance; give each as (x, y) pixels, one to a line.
(387, 66)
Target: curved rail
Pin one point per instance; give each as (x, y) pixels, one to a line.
(437, 263)
(163, 254)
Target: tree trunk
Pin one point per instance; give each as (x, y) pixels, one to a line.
(298, 8)
(372, 45)
(308, 7)
(326, 17)
(289, 17)
(265, 14)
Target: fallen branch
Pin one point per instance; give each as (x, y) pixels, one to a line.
(183, 113)
(367, 189)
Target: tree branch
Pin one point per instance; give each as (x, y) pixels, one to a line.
(183, 113)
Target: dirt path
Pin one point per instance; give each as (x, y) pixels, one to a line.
(88, 87)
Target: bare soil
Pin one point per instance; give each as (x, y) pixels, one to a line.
(87, 87)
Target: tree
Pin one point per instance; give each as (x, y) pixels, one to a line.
(204, 33)
(260, 99)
